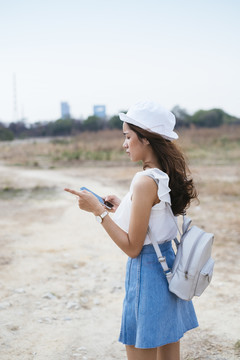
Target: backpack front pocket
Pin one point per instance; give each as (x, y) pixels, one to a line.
(205, 277)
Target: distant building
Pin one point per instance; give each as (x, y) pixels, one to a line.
(100, 111)
(65, 110)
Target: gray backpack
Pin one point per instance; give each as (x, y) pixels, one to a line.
(193, 266)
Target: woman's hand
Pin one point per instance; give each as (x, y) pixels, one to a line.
(87, 201)
(113, 199)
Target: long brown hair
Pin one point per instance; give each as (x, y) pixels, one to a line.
(173, 163)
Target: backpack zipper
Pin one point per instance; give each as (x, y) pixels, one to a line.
(190, 257)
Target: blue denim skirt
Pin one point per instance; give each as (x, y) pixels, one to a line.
(152, 315)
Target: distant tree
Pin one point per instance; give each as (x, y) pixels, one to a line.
(5, 134)
(115, 123)
(77, 126)
(229, 119)
(60, 127)
(19, 129)
(182, 117)
(94, 123)
(208, 118)
(38, 129)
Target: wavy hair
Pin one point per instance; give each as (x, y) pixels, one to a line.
(173, 163)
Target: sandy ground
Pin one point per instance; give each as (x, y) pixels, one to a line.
(62, 278)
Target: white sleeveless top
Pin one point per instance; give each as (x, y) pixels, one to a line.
(161, 221)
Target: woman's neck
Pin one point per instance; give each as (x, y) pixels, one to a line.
(150, 165)
(150, 160)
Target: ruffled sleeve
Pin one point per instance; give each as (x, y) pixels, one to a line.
(162, 181)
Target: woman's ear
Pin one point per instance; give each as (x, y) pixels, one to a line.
(145, 141)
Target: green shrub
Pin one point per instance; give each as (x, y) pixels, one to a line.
(6, 134)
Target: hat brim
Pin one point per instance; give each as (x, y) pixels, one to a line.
(171, 135)
(129, 120)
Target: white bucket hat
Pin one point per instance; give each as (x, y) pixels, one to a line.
(152, 117)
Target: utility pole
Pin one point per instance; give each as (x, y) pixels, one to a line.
(15, 110)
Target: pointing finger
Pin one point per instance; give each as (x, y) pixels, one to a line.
(72, 192)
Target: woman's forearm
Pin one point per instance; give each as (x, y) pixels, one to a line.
(120, 237)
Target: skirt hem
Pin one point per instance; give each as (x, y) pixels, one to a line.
(159, 345)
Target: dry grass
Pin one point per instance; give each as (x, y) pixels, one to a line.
(202, 146)
(55, 152)
(211, 146)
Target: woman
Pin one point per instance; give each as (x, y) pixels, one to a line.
(153, 319)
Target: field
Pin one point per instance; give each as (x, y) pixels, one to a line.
(219, 146)
(62, 279)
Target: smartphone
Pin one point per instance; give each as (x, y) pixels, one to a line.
(106, 203)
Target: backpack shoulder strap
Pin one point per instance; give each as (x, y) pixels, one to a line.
(161, 259)
(174, 219)
(185, 225)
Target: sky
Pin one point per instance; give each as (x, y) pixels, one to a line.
(117, 52)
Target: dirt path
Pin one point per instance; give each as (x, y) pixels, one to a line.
(61, 285)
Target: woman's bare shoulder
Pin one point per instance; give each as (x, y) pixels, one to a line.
(144, 184)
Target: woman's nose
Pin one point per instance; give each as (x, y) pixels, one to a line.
(124, 144)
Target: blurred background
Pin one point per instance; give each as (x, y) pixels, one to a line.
(67, 69)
